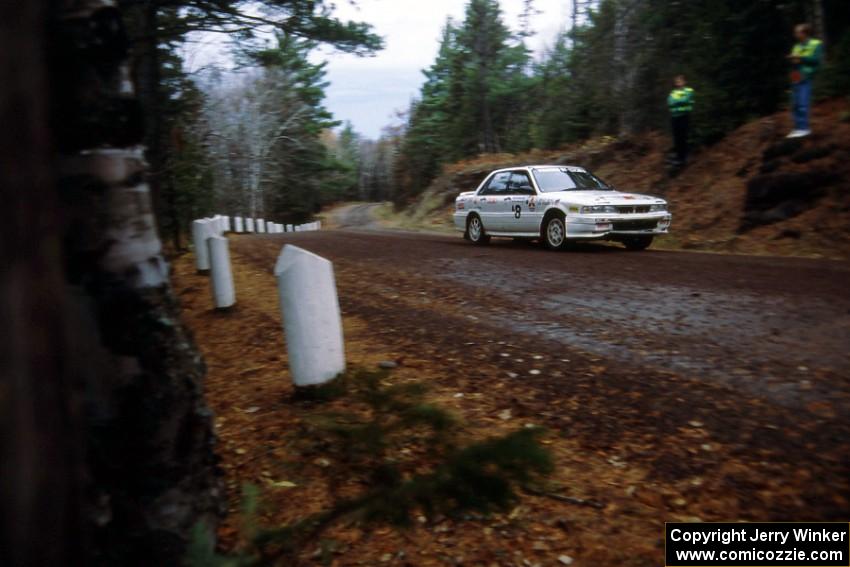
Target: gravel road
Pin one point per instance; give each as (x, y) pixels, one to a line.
(755, 349)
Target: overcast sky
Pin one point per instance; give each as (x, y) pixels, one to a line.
(368, 91)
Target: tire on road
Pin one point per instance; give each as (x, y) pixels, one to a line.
(554, 231)
(637, 243)
(475, 232)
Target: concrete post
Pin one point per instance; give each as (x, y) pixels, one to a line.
(238, 227)
(200, 233)
(224, 294)
(249, 225)
(311, 316)
(214, 225)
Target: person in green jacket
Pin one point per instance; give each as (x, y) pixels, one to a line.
(681, 104)
(805, 59)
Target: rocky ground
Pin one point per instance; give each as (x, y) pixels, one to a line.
(673, 386)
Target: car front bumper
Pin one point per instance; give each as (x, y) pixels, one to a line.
(601, 226)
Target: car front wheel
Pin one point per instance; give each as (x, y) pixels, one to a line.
(475, 230)
(555, 233)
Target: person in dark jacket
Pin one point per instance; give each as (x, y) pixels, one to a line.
(681, 104)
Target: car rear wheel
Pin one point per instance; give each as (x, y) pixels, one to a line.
(637, 243)
(475, 230)
(555, 233)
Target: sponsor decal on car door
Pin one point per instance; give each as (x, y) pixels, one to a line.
(521, 204)
(491, 201)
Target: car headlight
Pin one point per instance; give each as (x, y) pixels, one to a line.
(598, 209)
(657, 208)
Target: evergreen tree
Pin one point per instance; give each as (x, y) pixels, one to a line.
(608, 75)
(474, 100)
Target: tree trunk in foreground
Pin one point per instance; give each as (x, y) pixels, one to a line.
(107, 445)
(40, 449)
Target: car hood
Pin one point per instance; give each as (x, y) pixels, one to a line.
(588, 198)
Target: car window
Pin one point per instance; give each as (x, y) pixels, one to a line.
(520, 184)
(498, 184)
(568, 179)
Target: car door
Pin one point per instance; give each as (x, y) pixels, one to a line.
(490, 200)
(519, 204)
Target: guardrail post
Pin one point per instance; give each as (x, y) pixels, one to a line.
(311, 316)
(200, 233)
(224, 294)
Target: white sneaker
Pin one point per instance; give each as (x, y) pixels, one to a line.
(799, 133)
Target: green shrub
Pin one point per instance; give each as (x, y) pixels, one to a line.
(406, 451)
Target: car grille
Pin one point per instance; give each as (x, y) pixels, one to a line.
(636, 224)
(632, 209)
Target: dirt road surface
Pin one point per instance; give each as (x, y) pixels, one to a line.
(679, 386)
(766, 326)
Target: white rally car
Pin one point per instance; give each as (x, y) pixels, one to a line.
(556, 204)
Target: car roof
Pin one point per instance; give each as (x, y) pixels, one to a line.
(530, 167)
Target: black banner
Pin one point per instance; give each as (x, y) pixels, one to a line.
(804, 544)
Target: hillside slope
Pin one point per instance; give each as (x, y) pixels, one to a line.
(754, 192)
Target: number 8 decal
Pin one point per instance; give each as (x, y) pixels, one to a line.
(517, 211)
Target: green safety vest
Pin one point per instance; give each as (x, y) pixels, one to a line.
(681, 101)
(810, 56)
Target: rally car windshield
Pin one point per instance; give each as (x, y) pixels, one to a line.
(564, 179)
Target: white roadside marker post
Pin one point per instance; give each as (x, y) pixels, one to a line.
(214, 225)
(227, 226)
(311, 316)
(224, 293)
(249, 225)
(290, 228)
(261, 226)
(200, 233)
(238, 227)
